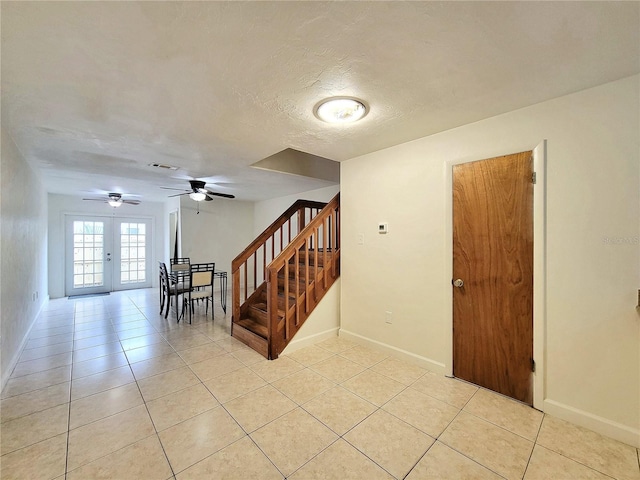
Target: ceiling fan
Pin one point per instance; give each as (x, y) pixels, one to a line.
(114, 199)
(198, 192)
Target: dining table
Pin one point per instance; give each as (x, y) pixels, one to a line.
(180, 274)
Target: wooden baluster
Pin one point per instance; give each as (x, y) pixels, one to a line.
(311, 245)
(286, 299)
(306, 277)
(255, 269)
(337, 227)
(297, 279)
(264, 261)
(301, 219)
(281, 239)
(324, 251)
(315, 265)
(236, 296)
(334, 220)
(289, 228)
(246, 281)
(273, 247)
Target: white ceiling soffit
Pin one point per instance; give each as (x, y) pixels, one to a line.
(93, 92)
(295, 162)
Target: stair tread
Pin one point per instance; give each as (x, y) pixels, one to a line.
(254, 326)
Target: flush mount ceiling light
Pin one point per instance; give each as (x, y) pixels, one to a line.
(197, 196)
(340, 110)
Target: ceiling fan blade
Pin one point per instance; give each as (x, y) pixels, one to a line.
(179, 194)
(95, 199)
(131, 202)
(224, 195)
(171, 188)
(207, 198)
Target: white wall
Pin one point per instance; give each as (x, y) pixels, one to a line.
(23, 253)
(61, 205)
(221, 230)
(593, 174)
(267, 211)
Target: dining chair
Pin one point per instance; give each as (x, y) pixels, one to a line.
(164, 286)
(179, 264)
(201, 287)
(173, 286)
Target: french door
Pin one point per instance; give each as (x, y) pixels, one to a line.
(105, 254)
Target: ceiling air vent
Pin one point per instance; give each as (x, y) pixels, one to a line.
(162, 165)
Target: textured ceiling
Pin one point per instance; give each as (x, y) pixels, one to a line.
(92, 92)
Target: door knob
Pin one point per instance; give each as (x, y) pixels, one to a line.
(458, 283)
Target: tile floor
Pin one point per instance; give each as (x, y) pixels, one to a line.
(107, 388)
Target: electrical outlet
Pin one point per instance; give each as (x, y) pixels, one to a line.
(388, 317)
(361, 239)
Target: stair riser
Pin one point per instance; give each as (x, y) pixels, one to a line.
(258, 315)
(252, 340)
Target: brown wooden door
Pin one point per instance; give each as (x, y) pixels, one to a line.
(493, 256)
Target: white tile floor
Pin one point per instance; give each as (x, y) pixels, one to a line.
(107, 388)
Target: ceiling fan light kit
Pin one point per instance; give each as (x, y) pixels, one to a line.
(198, 192)
(114, 200)
(197, 196)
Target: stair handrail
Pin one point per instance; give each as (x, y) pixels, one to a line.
(282, 262)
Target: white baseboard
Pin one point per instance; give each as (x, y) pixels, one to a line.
(299, 343)
(6, 372)
(609, 428)
(421, 361)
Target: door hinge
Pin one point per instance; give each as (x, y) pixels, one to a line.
(533, 365)
(533, 177)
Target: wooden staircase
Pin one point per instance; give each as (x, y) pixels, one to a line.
(281, 279)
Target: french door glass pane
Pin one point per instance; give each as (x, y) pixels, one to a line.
(132, 245)
(87, 253)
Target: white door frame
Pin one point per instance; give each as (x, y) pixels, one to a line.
(539, 267)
